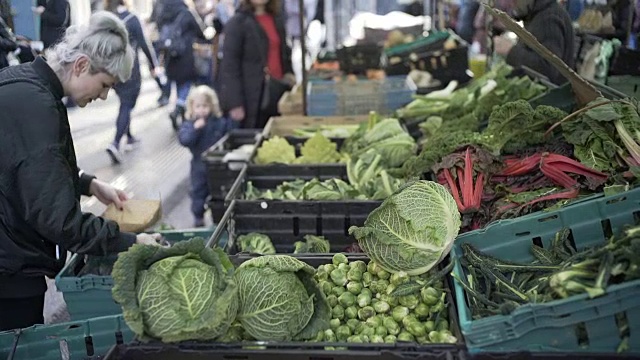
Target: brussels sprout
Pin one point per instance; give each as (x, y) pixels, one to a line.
(382, 331)
(410, 301)
(339, 277)
(351, 312)
(379, 286)
(408, 320)
(337, 312)
(422, 311)
(354, 287)
(383, 274)
(374, 321)
(334, 324)
(366, 312)
(392, 326)
(367, 279)
(442, 337)
(326, 287)
(321, 274)
(353, 324)
(406, 336)
(356, 339)
(439, 306)
(430, 296)
(339, 258)
(390, 339)
(423, 340)
(399, 313)
(343, 333)
(344, 267)
(368, 331)
(381, 307)
(347, 299)
(442, 324)
(329, 335)
(391, 300)
(358, 264)
(399, 278)
(332, 300)
(364, 299)
(329, 268)
(416, 329)
(376, 339)
(338, 290)
(373, 268)
(430, 325)
(354, 275)
(390, 289)
(319, 337)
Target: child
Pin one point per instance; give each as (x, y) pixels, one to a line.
(204, 128)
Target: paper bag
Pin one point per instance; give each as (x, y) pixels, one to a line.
(137, 216)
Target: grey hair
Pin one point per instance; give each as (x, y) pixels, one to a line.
(104, 41)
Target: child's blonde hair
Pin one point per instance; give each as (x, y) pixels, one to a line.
(209, 94)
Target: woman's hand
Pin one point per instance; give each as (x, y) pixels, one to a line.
(107, 194)
(200, 123)
(237, 114)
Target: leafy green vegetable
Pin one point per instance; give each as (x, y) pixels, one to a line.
(185, 292)
(280, 300)
(412, 230)
(312, 245)
(276, 150)
(256, 244)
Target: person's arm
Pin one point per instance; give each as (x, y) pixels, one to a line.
(231, 78)
(188, 134)
(56, 13)
(7, 45)
(195, 22)
(41, 187)
(548, 34)
(287, 65)
(138, 33)
(85, 182)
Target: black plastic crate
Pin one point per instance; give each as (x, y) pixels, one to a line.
(297, 350)
(358, 59)
(292, 220)
(625, 62)
(548, 356)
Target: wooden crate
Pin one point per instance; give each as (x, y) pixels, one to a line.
(285, 125)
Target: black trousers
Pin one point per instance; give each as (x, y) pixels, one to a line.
(21, 312)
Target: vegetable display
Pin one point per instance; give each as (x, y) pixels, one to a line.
(366, 309)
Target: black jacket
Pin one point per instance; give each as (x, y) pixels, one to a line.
(40, 185)
(244, 56)
(180, 69)
(551, 25)
(54, 21)
(7, 44)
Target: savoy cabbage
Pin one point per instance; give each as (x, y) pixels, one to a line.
(412, 230)
(280, 300)
(185, 292)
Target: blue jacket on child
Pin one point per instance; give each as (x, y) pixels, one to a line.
(198, 141)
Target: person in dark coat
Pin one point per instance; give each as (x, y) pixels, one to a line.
(7, 43)
(255, 40)
(550, 23)
(55, 18)
(203, 129)
(128, 91)
(181, 69)
(40, 183)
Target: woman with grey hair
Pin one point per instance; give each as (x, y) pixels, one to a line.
(40, 183)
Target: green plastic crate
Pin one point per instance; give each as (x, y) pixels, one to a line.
(76, 340)
(551, 327)
(89, 296)
(626, 84)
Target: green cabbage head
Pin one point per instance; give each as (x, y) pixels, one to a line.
(412, 230)
(280, 300)
(185, 292)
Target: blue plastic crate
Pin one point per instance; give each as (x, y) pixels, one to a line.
(76, 340)
(326, 98)
(89, 296)
(551, 327)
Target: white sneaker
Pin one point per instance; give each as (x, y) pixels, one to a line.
(114, 153)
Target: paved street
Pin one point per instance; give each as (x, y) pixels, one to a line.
(158, 168)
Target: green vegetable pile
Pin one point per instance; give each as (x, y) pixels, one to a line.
(261, 244)
(316, 150)
(497, 287)
(367, 309)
